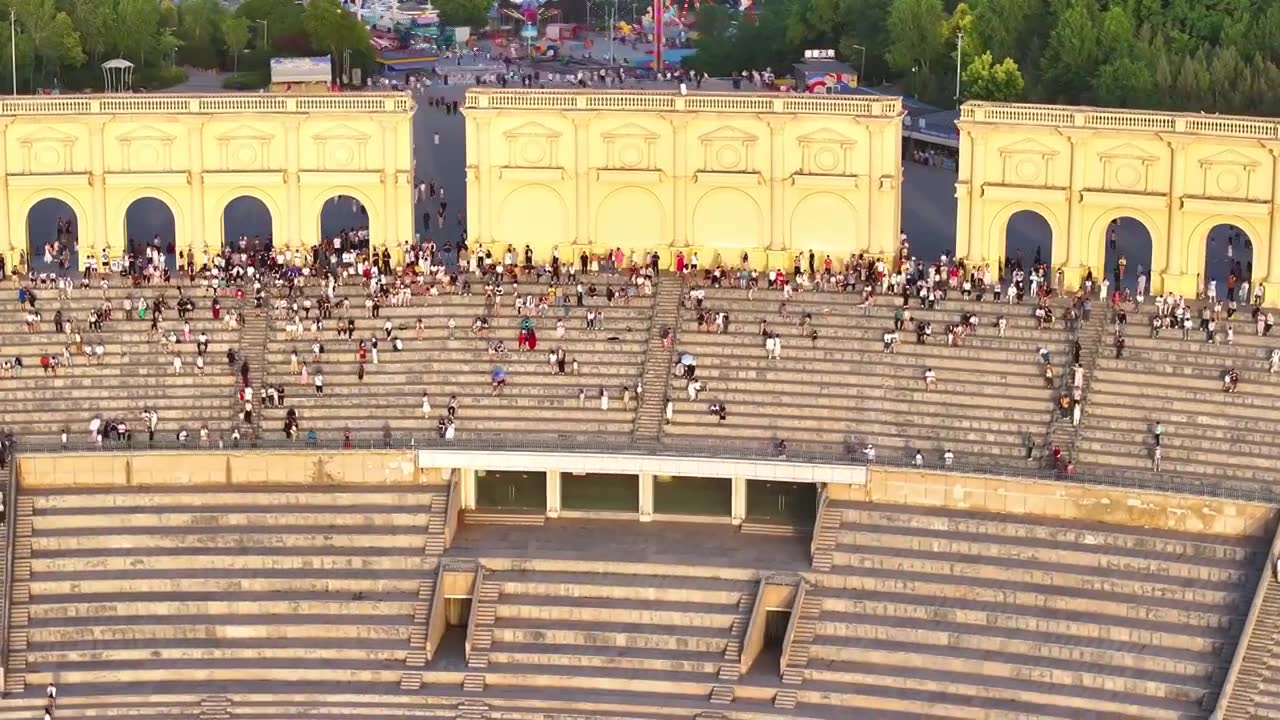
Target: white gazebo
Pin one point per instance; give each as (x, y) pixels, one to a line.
(117, 75)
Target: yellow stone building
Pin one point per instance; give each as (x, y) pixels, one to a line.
(198, 153)
(1180, 175)
(712, 173)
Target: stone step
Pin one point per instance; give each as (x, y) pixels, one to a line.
(721, 695)
(786, 699)
(494, 517)
(411, 681)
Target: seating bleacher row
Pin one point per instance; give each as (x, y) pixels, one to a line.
(843, 390)
(534, 401)
(279, 596)
(1178, 383)
(980, 615)
(134, 375)
(172, 585)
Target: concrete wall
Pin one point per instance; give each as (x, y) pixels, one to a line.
(218, 468)
(198, 153)
(713, 173)
(1062, 500)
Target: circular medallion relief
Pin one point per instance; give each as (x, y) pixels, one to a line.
(1229, 181)
(342, 156)
(246, 156)
(48, 157)
(630, 156)
(728, 157)
(826, 160)
(533, 152)
(1028, 170)
(1128, 176)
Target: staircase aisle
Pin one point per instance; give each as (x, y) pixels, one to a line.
(253, 347)
(658, 360)
(1259, 662)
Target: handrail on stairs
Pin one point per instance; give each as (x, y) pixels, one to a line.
(10, 529)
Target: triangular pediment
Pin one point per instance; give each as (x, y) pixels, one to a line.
(827, 136)
(630, 130)
(532, 129)
(728, 133)
(50, 135)
(1230, 157)
(341, 132)
(245, 132)
(1028, 146)
(1128, 151)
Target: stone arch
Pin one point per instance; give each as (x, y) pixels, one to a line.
(631, 217)
(996, 233)
(1197, 242)
(373, 217)
(32, 245)
(180, 237)
(522, 205)
(727, 218)
(814, 217)
(226, 198)
(1099, 256)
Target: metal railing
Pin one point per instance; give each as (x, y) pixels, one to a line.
(1002, 467)
(11, 538)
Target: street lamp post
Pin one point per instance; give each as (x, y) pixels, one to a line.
(862, 63)
(959, 51)
(13, 48)
(266, 39)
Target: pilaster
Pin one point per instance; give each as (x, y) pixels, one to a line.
(1272, 271)
(679, 181)
(646, 497)
(582, 178)
(100, 233)
(877, 244)
(1175, 272)
(1074, 271)
(293, 189)
(484, 234)
(977, 239)
(195, 241)
(477, 148)
(9, 244)
(391, 210)
(467, 486)
(553, 493)
(777, 185)
(739, 501)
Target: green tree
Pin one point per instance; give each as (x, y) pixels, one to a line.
(93, 20)
(136, 27)
(1125, 82)
(199, 26)
(1071, 57)
(999, 24)
(915, 34)
(235, 36)
(332, 28)
(985, 79)
(463, 13)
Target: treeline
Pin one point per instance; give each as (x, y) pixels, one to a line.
(1210, 55)
(62, 43)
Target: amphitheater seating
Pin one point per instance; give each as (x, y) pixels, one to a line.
(134, 376)
(615, 623)
(967, 614)
(167, 585)
(534, 403)
(1207, 433)
(843, 390)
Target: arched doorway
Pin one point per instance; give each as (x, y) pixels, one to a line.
(52, 229)
(344, 224)
(1028, 242)
(149, 231)
(246, 224)
(1228, 261)
(1128, 258)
